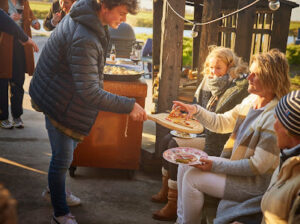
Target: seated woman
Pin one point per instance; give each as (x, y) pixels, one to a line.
(57, 12)
(222, 87)
(281, 202)
(250, 155)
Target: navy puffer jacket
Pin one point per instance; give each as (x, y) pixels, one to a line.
(68, 81)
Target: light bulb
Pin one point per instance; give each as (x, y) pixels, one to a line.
(274, 4)
(194, 32)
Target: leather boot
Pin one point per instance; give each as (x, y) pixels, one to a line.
(162, 195)
(169, 211)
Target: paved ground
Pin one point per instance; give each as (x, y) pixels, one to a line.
(108, 196)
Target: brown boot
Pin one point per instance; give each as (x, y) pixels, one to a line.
(169, 212)
(162, 195)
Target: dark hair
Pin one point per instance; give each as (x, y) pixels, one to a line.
(132, 5)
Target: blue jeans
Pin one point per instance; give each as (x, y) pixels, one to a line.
(62, 148)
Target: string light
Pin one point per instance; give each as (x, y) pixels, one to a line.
(194, 32)
(215, 20)
(274, 4)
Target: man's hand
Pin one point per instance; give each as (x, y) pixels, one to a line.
(31, 43)
(191, 109)
(138, 113)
(206, 164)
(56, 18)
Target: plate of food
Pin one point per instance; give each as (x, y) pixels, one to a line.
(178, 121)
(179, 134)
(122, 72)
(184, 155)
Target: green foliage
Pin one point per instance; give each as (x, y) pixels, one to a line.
(294, 25)
(40, 9)
(295, 82)
(293, 54)
(143, 36)
(142, 19)
(187, 57)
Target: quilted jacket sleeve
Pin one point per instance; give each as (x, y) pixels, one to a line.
(84, 58)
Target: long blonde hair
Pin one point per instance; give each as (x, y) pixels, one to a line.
(235, 64)
(273, 69)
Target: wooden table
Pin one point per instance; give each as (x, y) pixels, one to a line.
(107, 146)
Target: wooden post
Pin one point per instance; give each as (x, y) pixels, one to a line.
(209, 33)
(196, 41)
(244, 30)
(170, 60)
(280, 29)
(157, 17)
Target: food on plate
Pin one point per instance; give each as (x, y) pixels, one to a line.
(117, 70)
(177, 117)
(181, 134)
(185, 158)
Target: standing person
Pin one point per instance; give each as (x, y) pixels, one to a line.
(57, 12)
(22, 61)
(7, 25)
(67, 86)
(250, 155)
(223, 86)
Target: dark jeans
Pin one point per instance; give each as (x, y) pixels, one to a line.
(62, 148)
(167, 143)
(16, 85)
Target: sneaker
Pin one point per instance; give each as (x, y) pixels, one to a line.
(18, 123)
(66, 219)
(6, 124)
(72, 200)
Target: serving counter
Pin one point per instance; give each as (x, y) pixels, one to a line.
(115, 140)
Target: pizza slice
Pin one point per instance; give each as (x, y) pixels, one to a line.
(177, 117)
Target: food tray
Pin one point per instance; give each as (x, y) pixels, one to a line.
(196, 126)
(120, 77)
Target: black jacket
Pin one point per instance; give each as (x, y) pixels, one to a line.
(68, 79)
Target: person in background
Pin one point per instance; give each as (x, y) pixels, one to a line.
(57, 12)
(14, 67)
(250, 156)
(67, 86)
(7, 25)
(223, 86)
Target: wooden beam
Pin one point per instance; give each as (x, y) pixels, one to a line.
(280, 29)
(244, 30)
(170, 61)
(196, 41)
(209, 36)
(157, 17)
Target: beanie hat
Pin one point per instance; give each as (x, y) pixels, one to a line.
(288, 111)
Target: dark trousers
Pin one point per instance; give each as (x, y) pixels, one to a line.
(16, 85)
(167, 143)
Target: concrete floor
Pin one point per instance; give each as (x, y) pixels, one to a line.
(108, 196)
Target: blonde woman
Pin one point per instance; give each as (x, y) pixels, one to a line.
(249, 157)
(223, 87)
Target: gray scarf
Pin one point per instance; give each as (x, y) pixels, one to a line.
(218, 85)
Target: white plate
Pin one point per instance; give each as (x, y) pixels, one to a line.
(182, 134)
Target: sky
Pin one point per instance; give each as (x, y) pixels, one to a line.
(148, 4)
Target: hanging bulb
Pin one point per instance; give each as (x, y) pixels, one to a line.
(274, 4)
(194, 32)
